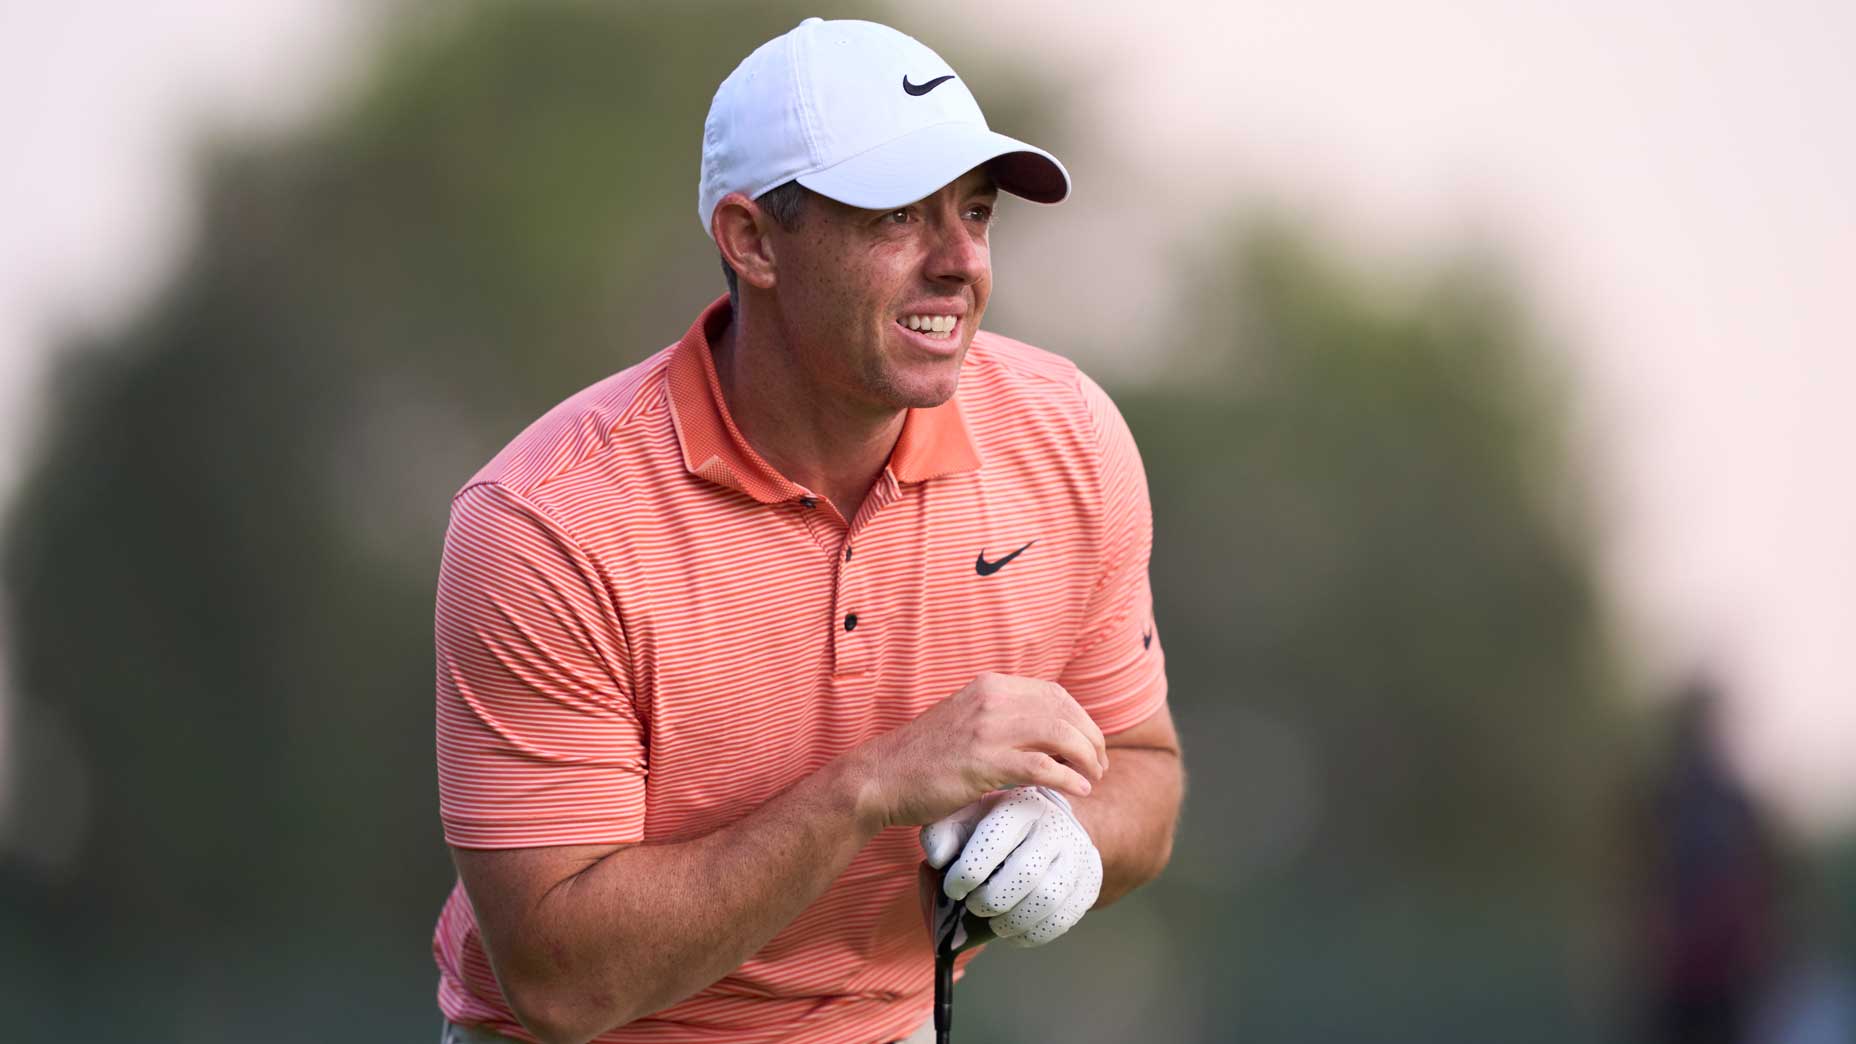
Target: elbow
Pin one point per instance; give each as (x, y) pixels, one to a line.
(1155, 863)
(550, 1021)
(1135, 871)
(1162, 856)
(1159, 853)
(555, 1016)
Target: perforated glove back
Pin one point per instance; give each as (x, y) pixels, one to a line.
(1024, 862)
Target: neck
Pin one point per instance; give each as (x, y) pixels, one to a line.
(810, 433)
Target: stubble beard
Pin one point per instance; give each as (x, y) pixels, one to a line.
(900, 394)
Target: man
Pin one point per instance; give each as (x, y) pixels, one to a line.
(719, 634)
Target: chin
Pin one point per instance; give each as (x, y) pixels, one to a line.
(924, 388)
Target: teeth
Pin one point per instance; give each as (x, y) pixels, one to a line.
(931, 324)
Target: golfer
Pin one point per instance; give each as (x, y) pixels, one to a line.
(729, 642)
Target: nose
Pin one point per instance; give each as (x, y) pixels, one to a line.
(958, 254)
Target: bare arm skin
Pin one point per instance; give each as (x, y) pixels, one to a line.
(586, 938)
(1132, 814)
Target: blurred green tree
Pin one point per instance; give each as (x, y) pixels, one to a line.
(1389, 665)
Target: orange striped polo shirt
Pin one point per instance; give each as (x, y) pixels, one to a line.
(644, 632)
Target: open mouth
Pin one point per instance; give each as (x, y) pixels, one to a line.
(933, 327)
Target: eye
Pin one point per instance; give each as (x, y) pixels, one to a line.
(898, 217)
(981, 212)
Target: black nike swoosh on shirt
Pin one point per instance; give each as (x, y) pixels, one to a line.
(985, 568)
(920, 89)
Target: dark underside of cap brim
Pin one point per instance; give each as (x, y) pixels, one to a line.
(1029, 175)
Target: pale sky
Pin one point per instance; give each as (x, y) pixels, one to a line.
(1675, 183)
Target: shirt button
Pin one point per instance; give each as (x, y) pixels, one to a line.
(847, 554)
(808, 502)
(850, 621)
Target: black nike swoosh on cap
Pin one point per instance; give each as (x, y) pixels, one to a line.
(985, 568)
(921, 89)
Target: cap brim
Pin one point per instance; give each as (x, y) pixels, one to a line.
(917, 165)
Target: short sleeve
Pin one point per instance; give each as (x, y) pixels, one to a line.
(1117, 670)
(538, 739)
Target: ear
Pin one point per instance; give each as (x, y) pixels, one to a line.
(741, 232)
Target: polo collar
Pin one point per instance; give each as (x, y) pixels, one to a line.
(934, 441)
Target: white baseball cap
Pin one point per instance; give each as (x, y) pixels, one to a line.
(859, 113)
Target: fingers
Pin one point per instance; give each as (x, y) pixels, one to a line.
(998, 832)
(1019, 874)
(1061, 738)
(1073, 713)
(943, 839)
(995, 733)
(1086, 725)
(1049, 717)
(1028, 865)
(1042, 901)
(1069, 910)
(1031, 768)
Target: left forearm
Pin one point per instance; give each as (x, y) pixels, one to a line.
(1130, 816)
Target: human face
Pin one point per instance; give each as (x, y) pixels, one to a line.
(848, 281)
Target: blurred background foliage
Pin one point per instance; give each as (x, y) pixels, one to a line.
(1403, 712)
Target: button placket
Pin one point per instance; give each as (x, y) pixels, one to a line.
(821, 519)
(856, 637)
(853, 638)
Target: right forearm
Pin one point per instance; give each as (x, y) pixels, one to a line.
(585, 938)
(650, 925)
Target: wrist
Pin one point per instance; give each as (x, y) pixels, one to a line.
(855, 781)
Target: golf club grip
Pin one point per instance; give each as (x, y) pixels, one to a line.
(943, 996)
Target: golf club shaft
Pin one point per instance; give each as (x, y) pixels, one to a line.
(943, 996)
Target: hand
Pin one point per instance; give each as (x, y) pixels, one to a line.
(997, 732)
(1040, 871)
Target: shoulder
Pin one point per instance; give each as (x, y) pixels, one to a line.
(1012, 386)
(1003, 365)
(617, 424)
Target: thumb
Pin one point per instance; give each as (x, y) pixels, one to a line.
(943, 839)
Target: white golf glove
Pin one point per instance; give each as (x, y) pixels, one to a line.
(1026, 863)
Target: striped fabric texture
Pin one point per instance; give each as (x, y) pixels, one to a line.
(644, 631)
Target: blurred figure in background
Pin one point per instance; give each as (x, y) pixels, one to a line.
(1710, 885)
